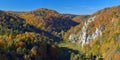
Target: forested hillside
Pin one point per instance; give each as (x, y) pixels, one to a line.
(99, 35)
(45, 34)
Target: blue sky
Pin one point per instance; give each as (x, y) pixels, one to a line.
(62, 6)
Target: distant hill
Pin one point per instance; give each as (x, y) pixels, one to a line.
(49, 20)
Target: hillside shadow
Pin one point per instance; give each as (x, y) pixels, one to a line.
(19, 25)
(60, 23)
(65, 53)
(48, 34)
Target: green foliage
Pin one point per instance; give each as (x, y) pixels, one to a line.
(118, 49)
(21, 50)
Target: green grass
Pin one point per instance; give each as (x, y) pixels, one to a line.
(68, 44)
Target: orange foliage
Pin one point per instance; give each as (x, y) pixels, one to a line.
(116, 56)
(2, 41)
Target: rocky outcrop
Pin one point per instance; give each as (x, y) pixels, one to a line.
(84, 37)
(73, 38)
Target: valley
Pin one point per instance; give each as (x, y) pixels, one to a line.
(45, 34)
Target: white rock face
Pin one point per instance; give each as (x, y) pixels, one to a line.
(84, 37)
(73, 38)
